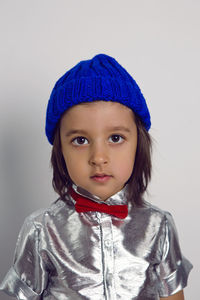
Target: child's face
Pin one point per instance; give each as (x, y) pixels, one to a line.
(99, 142)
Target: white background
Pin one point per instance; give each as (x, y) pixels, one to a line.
(158, 42)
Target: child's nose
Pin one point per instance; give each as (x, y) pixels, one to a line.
(98, 156)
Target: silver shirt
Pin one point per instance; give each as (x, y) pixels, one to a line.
(61, 254)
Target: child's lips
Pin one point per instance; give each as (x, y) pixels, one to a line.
(101, 177)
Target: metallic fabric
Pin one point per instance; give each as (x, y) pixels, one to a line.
(63, 255)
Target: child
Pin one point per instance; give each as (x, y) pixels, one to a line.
(100, 239)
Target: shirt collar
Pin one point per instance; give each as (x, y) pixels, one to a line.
(119, 198)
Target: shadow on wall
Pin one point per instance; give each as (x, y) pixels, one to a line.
(13, 193)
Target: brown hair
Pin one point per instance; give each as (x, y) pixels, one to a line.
(137, 183)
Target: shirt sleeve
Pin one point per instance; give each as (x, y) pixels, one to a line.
(174, 268)
(27, 278)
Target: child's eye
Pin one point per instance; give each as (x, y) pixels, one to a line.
(116, 138)
(80, 140)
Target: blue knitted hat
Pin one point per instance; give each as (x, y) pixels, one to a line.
(99, 78)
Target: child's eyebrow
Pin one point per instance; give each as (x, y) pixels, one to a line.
(75, 131)
(110, 129)
(119, 128)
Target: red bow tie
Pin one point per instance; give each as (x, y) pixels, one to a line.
(84, 204)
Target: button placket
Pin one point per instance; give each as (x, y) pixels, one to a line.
(107, 258)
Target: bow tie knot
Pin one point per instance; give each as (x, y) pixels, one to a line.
(84, 204)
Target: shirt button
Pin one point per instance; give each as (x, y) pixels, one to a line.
(28, 282)
(109, 278)
(98, 214)
(107, 243)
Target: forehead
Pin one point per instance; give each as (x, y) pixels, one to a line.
(97, 111)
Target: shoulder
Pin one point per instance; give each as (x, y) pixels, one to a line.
(40, 217)
(162, 224)
(35, 226)
(150, 211)
(164, 216)
(152, 219)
